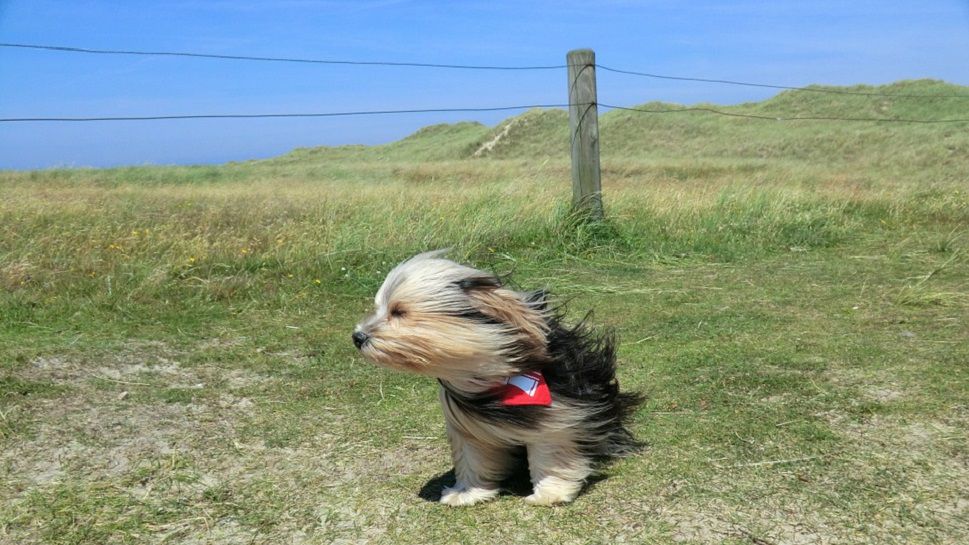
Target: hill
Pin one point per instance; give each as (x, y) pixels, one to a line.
(542, 134)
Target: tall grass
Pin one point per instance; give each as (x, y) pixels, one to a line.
(187, 233)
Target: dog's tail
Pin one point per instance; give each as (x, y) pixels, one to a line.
(583, 369)
(621, 441)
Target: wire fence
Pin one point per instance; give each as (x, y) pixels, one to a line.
(782, 118)
(281, 115)
(772, 86)
(274, 59)
(811, 89)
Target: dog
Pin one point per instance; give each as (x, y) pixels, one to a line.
(511, 375)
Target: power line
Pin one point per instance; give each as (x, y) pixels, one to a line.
(275, 59)
(489, 109)
(781, 118)
(276, 115)
(771, 86)
(463, 67)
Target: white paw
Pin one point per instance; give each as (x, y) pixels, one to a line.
(553, 490)
(460, 496)
(544, 498)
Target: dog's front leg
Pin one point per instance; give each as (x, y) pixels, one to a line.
(558, 471)
(478, 470)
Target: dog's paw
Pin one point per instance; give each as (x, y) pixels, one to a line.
(553, 491)
(460, 496)
(545, 498)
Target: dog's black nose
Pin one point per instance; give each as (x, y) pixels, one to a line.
(359, 337)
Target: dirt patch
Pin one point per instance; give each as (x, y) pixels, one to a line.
(109, 434)
(486, 147)
(98, 436)
(227, 532)
(908, 475)
(882, 394)
(137, 364)
(875, 386)
(221, 343)
(696, 528)
(132, 359)
(923, 465)
(104, 426)
(915, 436)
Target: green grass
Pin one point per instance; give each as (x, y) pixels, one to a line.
(175, 364)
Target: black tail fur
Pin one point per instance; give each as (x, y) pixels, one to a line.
(583, 369)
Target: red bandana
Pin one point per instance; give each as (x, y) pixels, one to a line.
(527, 389)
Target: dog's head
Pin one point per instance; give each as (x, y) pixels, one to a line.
(439, 318)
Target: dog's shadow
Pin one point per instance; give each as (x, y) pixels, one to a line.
(517, 484)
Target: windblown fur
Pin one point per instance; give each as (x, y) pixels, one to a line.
(461, 326)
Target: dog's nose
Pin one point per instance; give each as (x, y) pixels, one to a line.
(359, 337)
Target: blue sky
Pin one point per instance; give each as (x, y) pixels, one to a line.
(779, 42)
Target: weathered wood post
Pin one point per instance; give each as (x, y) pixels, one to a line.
(584, 130)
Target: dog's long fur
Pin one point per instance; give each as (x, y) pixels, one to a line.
(461, 326)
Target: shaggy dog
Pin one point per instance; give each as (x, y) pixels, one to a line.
(511, 376)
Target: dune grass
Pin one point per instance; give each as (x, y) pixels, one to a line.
(175, 364)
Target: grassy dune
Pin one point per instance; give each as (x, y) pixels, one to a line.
(175, 364)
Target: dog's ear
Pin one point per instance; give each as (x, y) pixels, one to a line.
(478, 282)
(519, 311)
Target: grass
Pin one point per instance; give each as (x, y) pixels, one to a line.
(175, 364)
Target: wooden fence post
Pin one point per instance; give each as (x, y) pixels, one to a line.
(584, 131)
